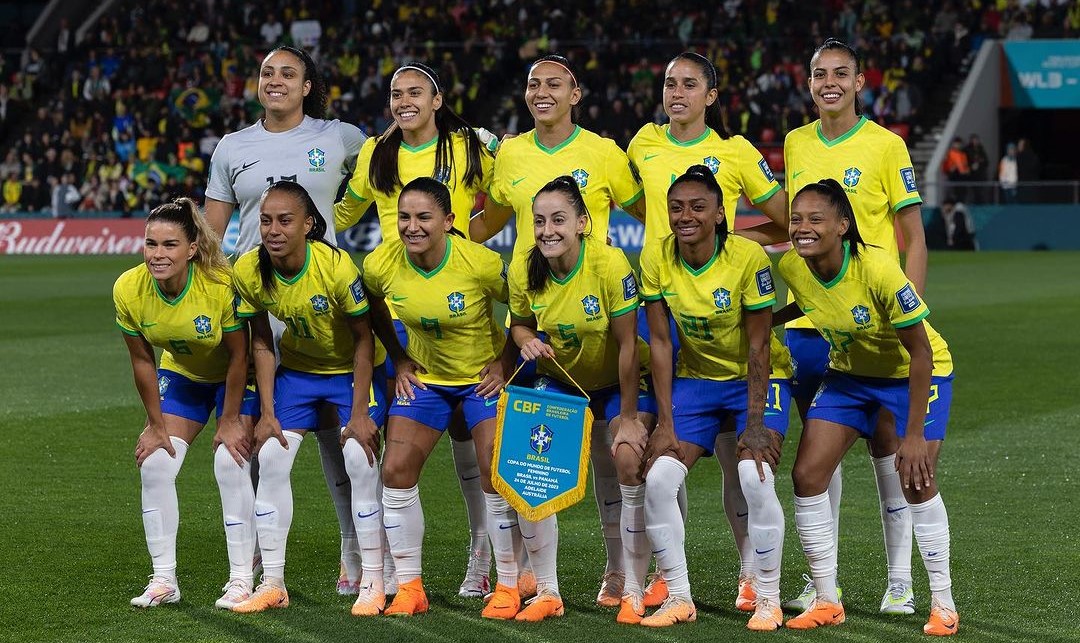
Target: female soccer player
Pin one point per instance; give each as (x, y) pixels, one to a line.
(181, 300)
(882, 355)
(718, 287)
(582, 294)
(428, 139)
(525, 163)
(294, 142)
(443, 288)
(327, 356)
(696, 134)
(873, 165)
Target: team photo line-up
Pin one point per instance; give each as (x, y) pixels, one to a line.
(679, 360)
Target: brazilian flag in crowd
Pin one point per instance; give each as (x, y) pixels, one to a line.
(195, 105)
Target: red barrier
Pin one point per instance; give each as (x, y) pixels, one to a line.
(71, 236)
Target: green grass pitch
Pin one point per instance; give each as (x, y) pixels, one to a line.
(73, 554)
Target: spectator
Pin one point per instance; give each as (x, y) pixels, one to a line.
(271, 30)
(1008, 174)
(12, 193)
(1028, 169)
(64, 195)
(959, 226)
(97, 88)
(956, 166)
(978, 163)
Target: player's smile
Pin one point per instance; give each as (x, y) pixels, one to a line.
(166, 251)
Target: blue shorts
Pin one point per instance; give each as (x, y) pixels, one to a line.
(605, 403)
(854, 401)
(810, 357)
(702, 407)
(403, 338)
(298, 395)
(643, 333)
(194, 401)
(433, 406)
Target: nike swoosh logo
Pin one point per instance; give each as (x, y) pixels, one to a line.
(949, 626)
(491, 401)
(245, 168)
(928, 423)
(267, 303)
(524, 537)
(536, 307)
(146, 511)
(470, 477)
(651, 156)
(742, 515)
(509, 527)
(807, 310)
(391, 526)
(360, 514)
(634, 531)
(260, 515)
(932, 554)
(341, 484)
(892, 511)
(795, 175)
(659, 551)
(147, 324)
(513, 183)
(762, 553)
(612, 502)
(772, 413)
(396, 298)
(233, 524)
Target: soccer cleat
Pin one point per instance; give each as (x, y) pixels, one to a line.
(477, 581)
(746, 598)
(899, 599)
(159, 591)
(346, 587)
(820, 613)
(266, 596)
(368, 602)
(504, 605)
(236, 591)
(767, 616)
(943, 621)
(544, 604)
(674, 610)
(411, 599)
(655, 590)
(803, 601)
(526, 584)
(611, 589)
(631, 610)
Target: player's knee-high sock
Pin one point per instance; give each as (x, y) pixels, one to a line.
(931, 523)
(388, 557)
(664, 523)
(895, 519)
(468, 473)
(608, 496)
(635, 542)
(366, 512)
(766, 528)
(734, 501)
(274, 501)
(502, 524)
(403, 518)
(160, 509)
(836, 489)
(237, 511)
(542, 540)
(337, 481)
(813, 519)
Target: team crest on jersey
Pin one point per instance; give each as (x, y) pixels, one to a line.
(766, 170)
(317, 159)
(907, 299)
(591, 304)
(402, 400)
(764, 281)
(456, 302)
(861, 315)
(852, 176)
(581, 177)
(722, 299)
(907, 175)
(712, 163)
(540, 437)
(203, 326)
(162, 386)
(321, 304)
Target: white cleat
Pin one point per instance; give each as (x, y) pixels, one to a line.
(899, 599)
(477, 583)
(236, 591)
(159, 592)
(803, 601)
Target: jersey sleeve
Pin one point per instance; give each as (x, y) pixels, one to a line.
(897, 294)
(349, 286)
(497, 187)
(219, 183)
(373, 275)
(245, 276)
(620, 286)
(351, 207)
(352, 138)
(230, 302)
(650, 272)
(493, 276)
(758, 180)
(899, 176)
(124, 319)
(758, 290)
(517, 281)
(622, 177)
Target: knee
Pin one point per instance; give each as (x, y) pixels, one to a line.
(809, 480)
(397, 472)
(628, 466)
(226, 470)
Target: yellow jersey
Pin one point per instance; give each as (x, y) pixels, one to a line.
(448, 313)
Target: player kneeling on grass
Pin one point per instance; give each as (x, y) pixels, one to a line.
(327, 357)
(182, 301)
(882, 355)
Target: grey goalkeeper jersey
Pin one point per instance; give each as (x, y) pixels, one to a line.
(317, 154)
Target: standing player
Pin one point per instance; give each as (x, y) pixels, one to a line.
(873, 165)
(525, 163)
(292, 142)
(882, 355)
(181, 300)
(444, 288)
(428, 139)
(719, 289)
(327, 356)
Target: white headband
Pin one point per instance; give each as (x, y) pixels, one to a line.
(553, 62)
(434, 82)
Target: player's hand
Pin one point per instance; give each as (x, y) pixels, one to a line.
(406, 379)
(662, 442)
(631, 433)
(237, 439)
(535, 348)
(269, 428)
(762, 444)
(152, 438)
(913, 463)
(362, 429)
(492, 379)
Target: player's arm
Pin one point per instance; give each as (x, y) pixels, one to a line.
(662, 440)
(523, 332)
(230, 432)
(637, 209)
(756, 438)
(218, 214)
(487, 223)
(913, 460)
(911, 226)
(262, 353)
(775, 230)
(360, 426)
(144, 369)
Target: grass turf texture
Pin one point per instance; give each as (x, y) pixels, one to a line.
(73, 552)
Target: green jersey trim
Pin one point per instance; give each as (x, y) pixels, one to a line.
(232, 329)
(708, 264)
(128, 332)
(764, 304)
(912, 322)
(906, 202)
(843, 269)
(767, 195)
(187, 287)
(652, 297)
(353, 194)
(553, 150)
(634, 199)
(843, 137)
(675, 141)
(436, 269)
(622, 311)
(419, 148)
(297, 276)
(577, 267)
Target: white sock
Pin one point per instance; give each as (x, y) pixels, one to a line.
(337, 481)
(403, 518)
(366, 513)
(813, 519)
(684, 502)
(388, 558)
(237, 512)
(468, 473)
(766, 527)
(160, 508)
(836, 489)
(274, 501)
(931, 523)
(895, 519)
(664, 523)
(502, 526)
(734, 502)
(635, 542)
(608, 497)
(542, 540)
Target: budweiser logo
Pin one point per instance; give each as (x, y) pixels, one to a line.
(72, 237)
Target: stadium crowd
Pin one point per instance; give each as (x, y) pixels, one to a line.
(127, 118)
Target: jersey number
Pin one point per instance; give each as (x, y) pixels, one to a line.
(933, 396)
(566, 332)
(432, 326)
(179, 347)
(298, 326)
(838, 339)
(775, 396)
(695, 327)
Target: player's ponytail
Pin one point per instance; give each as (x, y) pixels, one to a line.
(837, 198)
(538, 269)
(714, 116)
(315, 101)
(317, 233)
(703, 176)
(185, 214)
